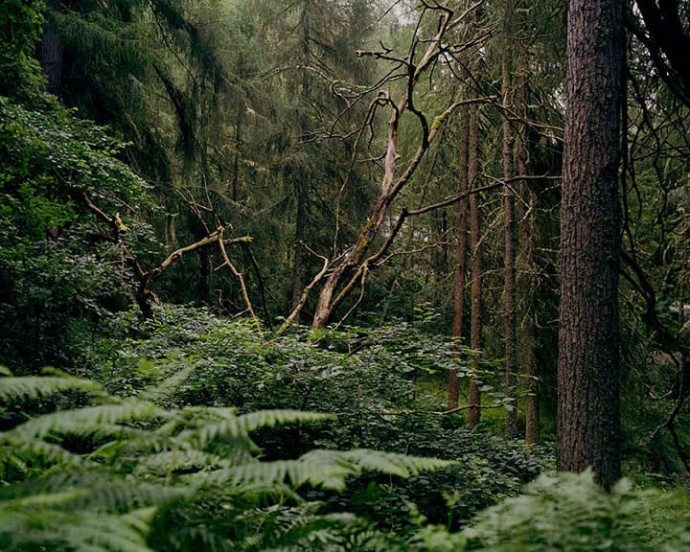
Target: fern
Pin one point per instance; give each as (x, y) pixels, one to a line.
(103, 476)
(401, 465)
(571, 512)
(22, 454)
(242, 425)
(323, 468)
(23, 389)
(86, 421)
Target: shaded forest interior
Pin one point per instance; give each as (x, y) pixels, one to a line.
(344, 275)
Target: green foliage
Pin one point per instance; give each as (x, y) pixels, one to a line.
(368, 378)
(20, 29)
(50, 157)
(59, 271)
(571, 512)
(126, 475)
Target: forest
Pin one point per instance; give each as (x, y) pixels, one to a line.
(344, 275)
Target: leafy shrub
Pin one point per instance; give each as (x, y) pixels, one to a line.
(20, 25)
(59, 273)
(571, 512)
(365, 377)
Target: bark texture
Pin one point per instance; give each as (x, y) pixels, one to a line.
(301, 184)
(526, 285)
(588, 367)
(509, 293)
(474, 398)
(460, 261)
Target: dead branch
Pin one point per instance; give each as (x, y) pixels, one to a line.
(237, 274)
(147, 278)
(303, 298)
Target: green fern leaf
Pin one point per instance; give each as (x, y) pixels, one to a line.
(325, 469)
(238, 426)
(85, 421)
(392, 463)
(22, 450)
(22, 389)
(271, 418)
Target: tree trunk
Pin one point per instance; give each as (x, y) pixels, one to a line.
(238, 152)
(460, 260)
(525, 277)
(474, 398)
(526, 281)
(301, 184)
(51, 51)
(509, 293)
(205, 270)
(391, 184)
(588, 366)
(298, 262)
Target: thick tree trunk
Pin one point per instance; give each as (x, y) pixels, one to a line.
(588, 367)
(461, 256)
(474, 398)
(509, 293)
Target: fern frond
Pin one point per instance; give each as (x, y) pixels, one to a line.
(40, 527)
(47, 500)
(240, 426)
(126, 533)
(324, 468)
(22, 389)
(278, 472)
(304, 529)
(179, 461)
(88, 420)
(5, 371)
(392, 463)
(271, 418)
(21, 451)
(571, 511)
(163, 390)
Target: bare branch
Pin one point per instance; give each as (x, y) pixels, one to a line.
(303, 299)
(237, 273)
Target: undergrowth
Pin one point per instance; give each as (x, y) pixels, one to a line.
(209, 435)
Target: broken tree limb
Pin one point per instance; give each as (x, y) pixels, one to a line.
(303, 299)
(330, 296)
(374, 259)
(236, 273)
(144, 293)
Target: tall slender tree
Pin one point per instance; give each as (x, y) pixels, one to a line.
(588, 367)
(525, 279)
(474, 395)
(461, 255)
(509, 272)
